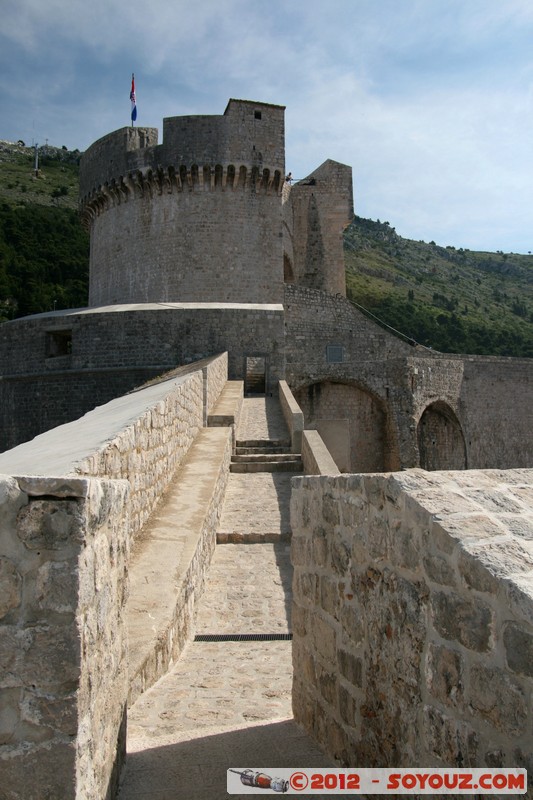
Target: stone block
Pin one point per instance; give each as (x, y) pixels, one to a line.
(10, 586)
(499, 699)
(340, 554)
(57, 712)
(468, 621)
(353, 630)
(50, 524)
(329, 596)
(347, 706)
(324, 640)
(439, 569)
(327, 686)
(9, 714)
(45, 771)
(445, 675)
(55, 587)
(518, 644)
(350, 667)
(447, 740)
(51, 656)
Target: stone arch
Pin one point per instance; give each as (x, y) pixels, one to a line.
(441, 443)
(353, 423)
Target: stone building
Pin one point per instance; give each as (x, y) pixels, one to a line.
(199, 246)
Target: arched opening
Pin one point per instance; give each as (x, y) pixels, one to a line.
(441, 443)
(351, 421)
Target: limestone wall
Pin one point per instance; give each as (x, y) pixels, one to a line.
(316, 458)
(343, 367)
(63, 670)
(141, 437)
(413, 617)
(189, 246)
(64, 553)
(117, 348)
(293, 416)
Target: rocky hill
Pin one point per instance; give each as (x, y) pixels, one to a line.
(451, 300)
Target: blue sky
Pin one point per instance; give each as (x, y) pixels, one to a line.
(429, 101)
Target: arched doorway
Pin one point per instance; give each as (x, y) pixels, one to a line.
(352, 422)
(441, 443)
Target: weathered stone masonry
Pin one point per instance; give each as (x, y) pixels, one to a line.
(65, 543)
(413, 617)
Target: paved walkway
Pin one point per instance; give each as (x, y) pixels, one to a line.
(228, 703)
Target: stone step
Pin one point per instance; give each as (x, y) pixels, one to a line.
(294, 465)
(267, 443)
(266, 458)
(261, 450)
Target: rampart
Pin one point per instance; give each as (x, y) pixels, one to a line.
(413, 609)
(65, 543)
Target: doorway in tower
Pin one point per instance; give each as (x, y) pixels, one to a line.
(255, 378)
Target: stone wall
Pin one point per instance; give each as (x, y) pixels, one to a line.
(63, 653)
(293, 415)
(413, 617)
(316, 458)
(115, 349)
(141, 437)
(64, 561)
(342, 366)
(189, 246)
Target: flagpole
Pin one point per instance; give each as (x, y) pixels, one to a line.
(133, 100)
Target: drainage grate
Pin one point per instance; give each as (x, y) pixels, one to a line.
(243, 637)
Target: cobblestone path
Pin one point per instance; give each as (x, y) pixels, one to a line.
(228, 703)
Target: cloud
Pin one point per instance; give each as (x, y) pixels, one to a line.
(430, 102)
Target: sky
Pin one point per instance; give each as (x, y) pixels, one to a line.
(429, 101)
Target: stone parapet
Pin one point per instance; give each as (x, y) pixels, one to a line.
(317, 459)
(64, 548)
(293, 416)
(413, 617)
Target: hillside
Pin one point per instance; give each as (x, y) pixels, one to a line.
(448, 299)
(44, 251)
(451, 300)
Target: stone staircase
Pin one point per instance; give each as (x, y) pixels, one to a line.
(265, 455)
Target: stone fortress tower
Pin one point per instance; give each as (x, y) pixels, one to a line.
(199, 246)
(196, 218)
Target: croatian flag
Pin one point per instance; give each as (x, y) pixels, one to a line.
(133, 100)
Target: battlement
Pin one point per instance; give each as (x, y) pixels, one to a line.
(248, 139)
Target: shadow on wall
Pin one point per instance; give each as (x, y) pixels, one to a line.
(441, 443)
(353, 423)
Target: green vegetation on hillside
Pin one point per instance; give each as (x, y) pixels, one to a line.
(44, 251)
(451, 300)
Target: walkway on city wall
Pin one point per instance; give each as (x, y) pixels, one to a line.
(226, 703)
